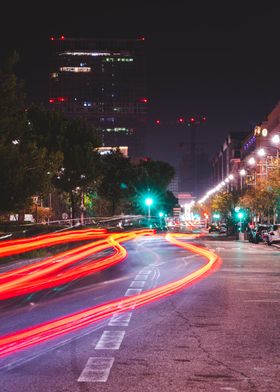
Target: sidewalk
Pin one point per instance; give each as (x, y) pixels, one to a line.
(224, 237)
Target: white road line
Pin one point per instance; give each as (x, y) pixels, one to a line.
(263, 300)
(120, 319)
(97, 369)
(110, 340)
(141, 277)
(130, 292)
(145, 272)
(137, 283)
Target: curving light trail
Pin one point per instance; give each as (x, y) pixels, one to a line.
(55, 270)
(28, 337)
(12, 247)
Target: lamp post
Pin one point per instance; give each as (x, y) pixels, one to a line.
(276, 141)
(242, 173)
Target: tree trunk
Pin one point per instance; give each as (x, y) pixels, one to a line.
(113, 206)
(82, 208)
(21, 216)
(73, 212)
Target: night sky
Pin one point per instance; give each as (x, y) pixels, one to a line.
(219, 59)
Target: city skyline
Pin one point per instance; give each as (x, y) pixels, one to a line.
(200, 61)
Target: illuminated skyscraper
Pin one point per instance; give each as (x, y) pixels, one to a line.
(103, 81)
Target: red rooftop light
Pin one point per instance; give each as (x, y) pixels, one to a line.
(143, 100)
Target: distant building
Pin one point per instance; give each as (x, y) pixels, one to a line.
(194, 178)
(174, 185)
(103, 81)
(227, 159)
(108, 150)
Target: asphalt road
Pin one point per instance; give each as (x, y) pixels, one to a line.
(220, 334)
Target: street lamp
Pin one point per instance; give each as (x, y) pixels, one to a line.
(242, 173)
(149, 201)
(252, 161)
(261, 152)
(275, 139)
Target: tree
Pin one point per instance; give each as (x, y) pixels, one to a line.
(153, 175)
(81, 162)
(263, 199)
(116, 180)
(24, 165)
(152, 178)
(224, 203)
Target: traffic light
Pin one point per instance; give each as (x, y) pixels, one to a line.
(160, 214)
(157, 122)
(181, 120)
(148, 201)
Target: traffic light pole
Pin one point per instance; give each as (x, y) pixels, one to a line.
(193, 157)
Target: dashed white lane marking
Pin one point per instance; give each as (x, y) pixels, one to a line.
(145, 272)
(141, 277)
(137, 283)
(228, 389)
(130, 292)
(120, 320)
(97, 369)
(110, 340)
(263, 300)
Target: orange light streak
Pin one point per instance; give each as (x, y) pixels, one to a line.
(12, 247)
(49, 273)
(34, 335)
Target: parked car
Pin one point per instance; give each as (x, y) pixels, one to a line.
(222, 228)
(213, 227)
(257, 234)
(273, 234)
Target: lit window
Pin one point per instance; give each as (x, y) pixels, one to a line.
(94, 54)
(75, 69)
(87, 104)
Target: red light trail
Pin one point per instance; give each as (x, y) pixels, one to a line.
(50, 272)
(28, 337)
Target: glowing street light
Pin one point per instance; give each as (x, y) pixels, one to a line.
(276, 139)
(261, 152)
(242, 172)
(252, 161)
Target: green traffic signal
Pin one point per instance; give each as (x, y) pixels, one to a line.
(149, 201)
(160, 214)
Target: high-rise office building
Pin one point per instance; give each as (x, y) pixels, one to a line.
(103, 81)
